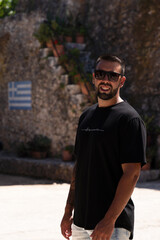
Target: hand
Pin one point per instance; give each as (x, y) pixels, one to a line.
(66, 226)
(103, 230)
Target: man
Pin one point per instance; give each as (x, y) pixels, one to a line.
(109, 150)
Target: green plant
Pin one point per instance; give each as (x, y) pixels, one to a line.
(63, 59)
(73, 71)
(62, 85)
(72, 64)
(74, 53)
(81, 30)
(57, 27)
(50, 29)
(71, 57)
(44, 33)
(68, 30)
(76, 77)
(7, 7)
(40, 143)
(69, 148)
(23, 149)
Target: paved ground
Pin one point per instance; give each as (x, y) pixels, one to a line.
(32, 209)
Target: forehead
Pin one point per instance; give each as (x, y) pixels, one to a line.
(109, 66)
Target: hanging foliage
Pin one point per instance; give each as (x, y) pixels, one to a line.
(7, 7)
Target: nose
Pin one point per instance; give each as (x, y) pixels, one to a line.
(105, 78)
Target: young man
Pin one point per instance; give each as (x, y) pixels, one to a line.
(109, 150)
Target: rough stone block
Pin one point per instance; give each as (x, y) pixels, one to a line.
(149, 175)
(44, 168)
(77, 99)
(52, 61)
(73, 89)
(59, 70)
(64, 79)
(43, 52)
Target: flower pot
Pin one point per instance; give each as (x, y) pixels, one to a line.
(49, 44)
(77, 78)
(79, 38)
(68, 39)
(66, 156)
(38, 155)
(58, 51)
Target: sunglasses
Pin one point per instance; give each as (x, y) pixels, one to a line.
(112, 76)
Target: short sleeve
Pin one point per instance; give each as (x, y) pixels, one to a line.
(133, 142)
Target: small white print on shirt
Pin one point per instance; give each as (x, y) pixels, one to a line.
(92, 130)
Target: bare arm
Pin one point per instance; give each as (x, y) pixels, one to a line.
(105, 227)
(67, 217)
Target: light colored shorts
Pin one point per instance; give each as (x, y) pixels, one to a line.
(79, 233)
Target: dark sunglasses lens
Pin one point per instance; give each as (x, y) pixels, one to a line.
(100, 74)
(113, 76)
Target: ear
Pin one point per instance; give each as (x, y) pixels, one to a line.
(123, 79)
(93, 78)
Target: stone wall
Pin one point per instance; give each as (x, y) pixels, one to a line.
(56, 105)
(129, 29)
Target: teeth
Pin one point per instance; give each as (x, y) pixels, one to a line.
(105, 88)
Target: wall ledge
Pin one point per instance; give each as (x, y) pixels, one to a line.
(50, 168)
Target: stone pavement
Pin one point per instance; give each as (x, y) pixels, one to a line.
(31, 209)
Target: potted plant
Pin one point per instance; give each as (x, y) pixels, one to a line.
(80, 34)
(58, 28)
(44, 34)
(63, 60)
(67, 153)
(39, 146)
(51, 33)
(68, 33)
(70, 61)
(75, 69)
(58, 49)
(74, 62)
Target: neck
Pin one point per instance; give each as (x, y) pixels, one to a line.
(110, 102)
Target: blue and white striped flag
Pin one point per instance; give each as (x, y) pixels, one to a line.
(19, 94)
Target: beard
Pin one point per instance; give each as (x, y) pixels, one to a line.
(106, 96)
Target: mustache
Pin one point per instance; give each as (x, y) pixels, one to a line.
(105, 84)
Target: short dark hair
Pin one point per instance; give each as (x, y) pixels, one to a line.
(112, 58)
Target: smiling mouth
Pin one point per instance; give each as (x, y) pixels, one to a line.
(104, 88)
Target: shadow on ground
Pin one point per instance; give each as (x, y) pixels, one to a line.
(8, 180)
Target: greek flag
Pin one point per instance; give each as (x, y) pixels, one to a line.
(19, 94)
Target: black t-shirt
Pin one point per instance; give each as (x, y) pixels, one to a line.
(106, 138)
